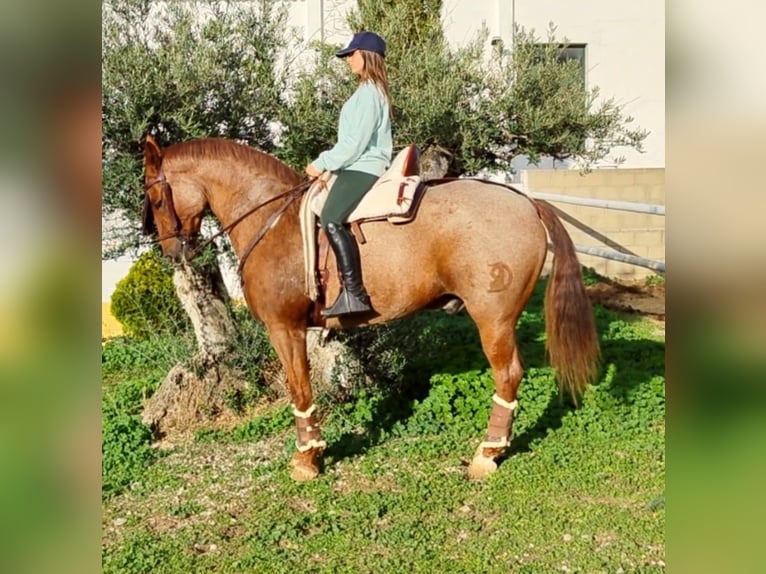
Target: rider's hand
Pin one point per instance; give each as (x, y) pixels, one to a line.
(312, 171)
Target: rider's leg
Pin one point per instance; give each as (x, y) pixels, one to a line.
(348, 190)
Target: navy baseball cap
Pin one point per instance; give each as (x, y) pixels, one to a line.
(369, 41)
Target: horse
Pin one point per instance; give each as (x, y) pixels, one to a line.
(472, 240)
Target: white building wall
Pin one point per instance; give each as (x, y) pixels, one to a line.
(625, 51)
(625, 48)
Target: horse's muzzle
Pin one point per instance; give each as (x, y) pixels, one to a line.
(179, 249)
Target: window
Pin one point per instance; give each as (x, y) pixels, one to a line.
(567, 52)
(574, 52)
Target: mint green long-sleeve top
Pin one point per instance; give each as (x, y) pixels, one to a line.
(364, 135)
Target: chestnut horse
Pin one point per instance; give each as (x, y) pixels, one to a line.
(474, 240)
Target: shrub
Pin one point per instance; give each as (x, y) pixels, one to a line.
(145, 301)
(591, 277)
(125, 440)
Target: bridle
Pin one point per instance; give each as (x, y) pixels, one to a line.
(291, 195)
(167, 197)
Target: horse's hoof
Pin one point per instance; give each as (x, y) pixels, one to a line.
(481, 467)
(304, 473)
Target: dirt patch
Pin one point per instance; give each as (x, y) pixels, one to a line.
(192, 396)
(638, 298)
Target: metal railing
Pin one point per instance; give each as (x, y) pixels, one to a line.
(620, 254)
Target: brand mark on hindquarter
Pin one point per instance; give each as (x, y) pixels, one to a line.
(501, 277)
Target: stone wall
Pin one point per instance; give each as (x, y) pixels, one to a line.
(639, 233)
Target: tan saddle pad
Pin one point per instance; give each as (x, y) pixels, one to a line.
(391, 197)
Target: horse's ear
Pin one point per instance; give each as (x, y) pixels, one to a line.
(152, 156)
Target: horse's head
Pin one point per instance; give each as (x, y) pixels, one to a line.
(174, 213)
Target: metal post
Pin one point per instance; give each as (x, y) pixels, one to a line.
(623, 257)
(604, 203)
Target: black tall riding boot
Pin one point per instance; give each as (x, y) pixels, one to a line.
(353, 297)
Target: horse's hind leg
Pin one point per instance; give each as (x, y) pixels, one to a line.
(499, 343)
(290, 345)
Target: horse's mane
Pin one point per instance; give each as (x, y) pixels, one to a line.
(218, 148)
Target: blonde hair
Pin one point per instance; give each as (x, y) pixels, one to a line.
(375, 70)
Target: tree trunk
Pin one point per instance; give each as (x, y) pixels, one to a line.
(199, 391)
(434, 162)
(204, 297)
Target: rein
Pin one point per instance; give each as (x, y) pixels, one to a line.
(291, 194)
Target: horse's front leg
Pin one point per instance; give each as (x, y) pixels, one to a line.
(290, 345)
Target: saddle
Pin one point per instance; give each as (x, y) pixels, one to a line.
(395, 197)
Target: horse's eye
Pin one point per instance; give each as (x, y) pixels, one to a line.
(160, 203)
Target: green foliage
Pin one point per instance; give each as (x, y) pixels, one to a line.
(128, 357)
(145, 300)
(655, 280)
(541, 107)
(454, 399)
(183, 70)
(125, 451)
(125, 440)
(257, 428)
(131, 370)
(147, 552)
(581, 487)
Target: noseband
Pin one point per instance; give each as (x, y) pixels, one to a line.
(167, 197)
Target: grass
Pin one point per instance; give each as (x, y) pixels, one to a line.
(581, 489)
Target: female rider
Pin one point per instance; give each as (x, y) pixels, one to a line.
(361, 155)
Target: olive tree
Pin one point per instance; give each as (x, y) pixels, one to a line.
(469, 112)
(179, 71)
(535, 103)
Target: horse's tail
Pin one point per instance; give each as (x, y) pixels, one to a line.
(571, 338)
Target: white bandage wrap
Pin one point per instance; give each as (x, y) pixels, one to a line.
(502, 443)
(511, 406)
(304, 414)
(313, 443)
